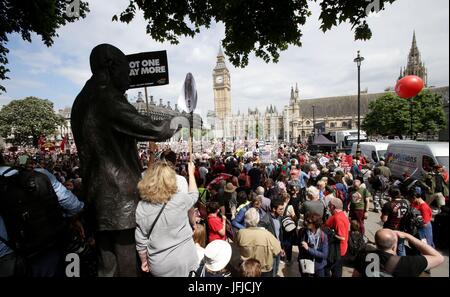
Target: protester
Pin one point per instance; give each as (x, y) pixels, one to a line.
(274, 226)
(397, 266)
(163, 234)
(359, 204)
(385, 171)
(216, 259)
(289, 236)
(250, 268)
(216, 223)
(257, 243)
(200, 240)
(392, 216)
(356, 244)
(312, 203)
(265, 201)
(256, 202)
(340, 224)
(313, 246)
(35, 228)
(268, 244)
(230, 199)
(426, 231)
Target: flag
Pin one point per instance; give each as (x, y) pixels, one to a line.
(63, 142)
(41, 141)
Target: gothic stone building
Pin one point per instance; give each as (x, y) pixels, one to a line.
(295, 121)
(156, 111)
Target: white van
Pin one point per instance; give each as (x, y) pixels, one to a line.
(345, 139)
(373, 151)
(416, 158)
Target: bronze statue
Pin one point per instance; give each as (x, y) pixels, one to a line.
(105, 128)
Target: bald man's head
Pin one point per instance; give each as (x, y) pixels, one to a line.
(386, 240)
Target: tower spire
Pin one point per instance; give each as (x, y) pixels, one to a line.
(220, 53)
(415, 66)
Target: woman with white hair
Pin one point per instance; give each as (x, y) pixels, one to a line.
(257, 243)
(312, 203)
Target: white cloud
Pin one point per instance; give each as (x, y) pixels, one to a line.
(75, 74)
(38, 62)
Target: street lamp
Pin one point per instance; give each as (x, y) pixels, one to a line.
(314, 123)
(234, 138)
(201, 135)
(358, 60)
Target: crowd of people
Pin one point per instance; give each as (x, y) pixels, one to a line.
(236, 216)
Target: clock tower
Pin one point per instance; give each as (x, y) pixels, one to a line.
(221, 87)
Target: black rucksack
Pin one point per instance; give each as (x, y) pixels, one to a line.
(356, 244)
(334, 245)
(412, 221)
(384, 183)
(31, 212)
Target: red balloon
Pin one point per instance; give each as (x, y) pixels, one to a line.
(409, 86)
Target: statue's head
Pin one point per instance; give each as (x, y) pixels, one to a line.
(109, 64)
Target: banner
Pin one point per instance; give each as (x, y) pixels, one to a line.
(319, 128)
(266, 156)
(346, 161)
(148, 69)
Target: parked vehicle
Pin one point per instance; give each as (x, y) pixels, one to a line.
(373, 151)
(345, 139)
(416, 158)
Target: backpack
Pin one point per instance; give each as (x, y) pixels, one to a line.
(287, 223)
(384, 183)
(31, 212)
(338, 193)
(284, 170)
(356, 244)
(412, 221)
(334, 245)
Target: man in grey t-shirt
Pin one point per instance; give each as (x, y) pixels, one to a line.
(313, 203)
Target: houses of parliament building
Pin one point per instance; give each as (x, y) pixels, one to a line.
(295, 121)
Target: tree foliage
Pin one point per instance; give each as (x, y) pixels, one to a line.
(390, 115)
(264, 27)
(28, 117)
(42, 17)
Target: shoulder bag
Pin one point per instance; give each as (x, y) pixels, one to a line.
(307, 265)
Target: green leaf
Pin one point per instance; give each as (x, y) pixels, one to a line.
(28, 117)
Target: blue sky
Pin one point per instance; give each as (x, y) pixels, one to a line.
(323, 66)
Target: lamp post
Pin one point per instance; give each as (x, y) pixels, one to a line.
(358, 60)
(234, 138)
(314, 123)
(411, 118)
(201, 135)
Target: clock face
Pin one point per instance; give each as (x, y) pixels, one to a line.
(219, 79)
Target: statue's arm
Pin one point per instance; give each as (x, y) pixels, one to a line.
(127, 120)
